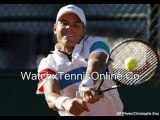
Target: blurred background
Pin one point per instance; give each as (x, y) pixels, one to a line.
(26, 36)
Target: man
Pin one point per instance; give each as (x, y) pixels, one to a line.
(76, 54)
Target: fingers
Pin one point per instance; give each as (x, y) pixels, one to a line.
(79, 109)
(84, 105)
(91, 96)
(78, 106)
(98, 96)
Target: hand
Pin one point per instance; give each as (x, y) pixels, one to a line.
(75, 106)
(90, 95)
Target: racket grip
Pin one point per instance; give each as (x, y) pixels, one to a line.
(107, 89)
(98, 91)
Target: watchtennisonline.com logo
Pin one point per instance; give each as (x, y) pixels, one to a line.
(66, 76)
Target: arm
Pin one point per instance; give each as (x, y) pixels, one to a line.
(99, 51)
(97, 60)
(96, 63)
(52, 94)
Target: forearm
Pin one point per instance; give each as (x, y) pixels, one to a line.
(51, 98)
(96, 63)
(94, 66)
(52, 93)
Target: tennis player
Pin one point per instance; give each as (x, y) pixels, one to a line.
(75, 54)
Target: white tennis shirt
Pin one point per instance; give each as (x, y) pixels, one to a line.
(70, 71)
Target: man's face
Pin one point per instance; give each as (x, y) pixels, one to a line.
(69, 30)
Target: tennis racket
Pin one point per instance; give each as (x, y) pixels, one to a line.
(144, 53)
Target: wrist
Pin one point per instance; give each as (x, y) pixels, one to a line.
(87, 81)
(65, 102)
(59, 102)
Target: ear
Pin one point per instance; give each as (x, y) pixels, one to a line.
(54, 28)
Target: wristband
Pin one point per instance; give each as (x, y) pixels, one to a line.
(58, 102)
(87, 81)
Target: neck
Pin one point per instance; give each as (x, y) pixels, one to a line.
(62, 48)
(67, 50)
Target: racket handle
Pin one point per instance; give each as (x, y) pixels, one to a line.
(98, 89)
(107, 89)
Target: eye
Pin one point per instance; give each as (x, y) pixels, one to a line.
(64, 23)
(76, 25)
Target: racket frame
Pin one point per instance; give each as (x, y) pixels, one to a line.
(118, 84)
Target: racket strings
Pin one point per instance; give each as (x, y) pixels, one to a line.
(146, 74)
(123, 52)
(144, 54)
(150, 67)
(127, 49)
(130, 80)
(147, 70)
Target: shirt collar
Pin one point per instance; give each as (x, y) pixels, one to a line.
(76, 51)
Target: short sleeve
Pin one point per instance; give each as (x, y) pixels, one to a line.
(46, 64)
(99, 45)
(45, 73)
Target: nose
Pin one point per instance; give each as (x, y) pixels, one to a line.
(69, 27)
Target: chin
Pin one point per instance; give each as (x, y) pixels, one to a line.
(71, 45)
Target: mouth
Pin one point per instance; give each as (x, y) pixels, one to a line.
(69, 35)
